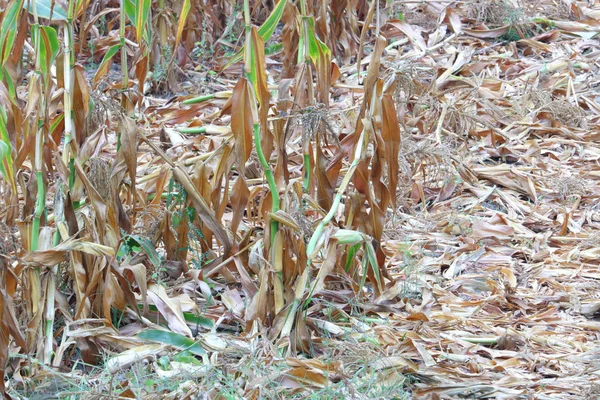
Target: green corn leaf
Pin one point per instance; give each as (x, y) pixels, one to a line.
(192, 318)
(348, 236)
(187, 357)
(48, 8)
(199, 320)
(56, 123)
(147, 247)
(371, 259)
(48, 45)
(269, 26)
(130, 11)
(51, 45)
(185, 9)
(5, 77)
(315, 46)
(106, 62)
(6, 159)
(173, 339)
(142, 15)
(265, 31)
(351, 254)
(8, 30)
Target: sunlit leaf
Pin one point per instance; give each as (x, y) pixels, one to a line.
(185, 9)
(142, 8)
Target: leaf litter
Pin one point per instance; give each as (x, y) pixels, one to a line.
(479, 276)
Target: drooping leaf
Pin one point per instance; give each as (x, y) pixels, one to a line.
(106, 63)
(239, 201)
(48, 46)
(315, 46)
(259, 77)
(241, 124)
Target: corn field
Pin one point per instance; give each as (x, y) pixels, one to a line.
(345, 199)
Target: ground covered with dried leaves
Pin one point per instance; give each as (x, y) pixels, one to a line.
(436, 233)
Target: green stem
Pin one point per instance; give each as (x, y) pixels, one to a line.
(196, 130)
(314, 240)
(199, 99)
(481, 340)
(39, 209)
(39, 144)
(68, 100)
(270, 180)
(312, 244)
(259, 151)
(124, 71)
(308, 74)
(248, 47)
(306, 180)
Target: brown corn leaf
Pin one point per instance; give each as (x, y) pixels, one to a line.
(242, 124)
(170, 309)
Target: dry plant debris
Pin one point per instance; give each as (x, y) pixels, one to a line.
(194, 210)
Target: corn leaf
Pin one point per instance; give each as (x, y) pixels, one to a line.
(185, 9)
(190, 318)
(5, 162)
(315, 46)
(172, 339)
(48, 46)
(265, 31)
(147, 246)
(48, 9)
(8, 30)
(106, 62)
(6, 159)
(142, 12)
(130, 8)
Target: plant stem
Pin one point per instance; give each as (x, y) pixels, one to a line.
(39, 204)
(314, 240)
(307, 71)
(124, 71)
(312, 244)
(196, 130)
(39, 140)
(36, 293)
(199, 99)
(259, 151)
(270, 180)
(68, 100)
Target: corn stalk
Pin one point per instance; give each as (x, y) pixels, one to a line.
(304, 55)
(68, 160)
(312, 246)
(251, 72)
(124, 70)
(37, 84)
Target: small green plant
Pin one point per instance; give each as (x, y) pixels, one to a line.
(186, 213)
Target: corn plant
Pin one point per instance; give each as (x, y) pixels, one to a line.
(102, 249)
